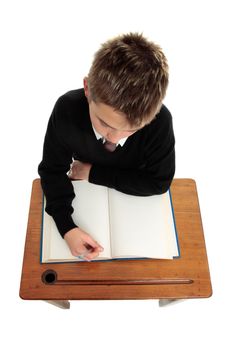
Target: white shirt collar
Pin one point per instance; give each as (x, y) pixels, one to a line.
(121, 142)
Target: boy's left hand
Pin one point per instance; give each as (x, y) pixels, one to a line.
(79, 170)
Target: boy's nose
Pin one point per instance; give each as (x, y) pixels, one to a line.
(112, 140)
(113, 137)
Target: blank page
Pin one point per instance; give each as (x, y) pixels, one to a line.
(90, 214)
(142, 226)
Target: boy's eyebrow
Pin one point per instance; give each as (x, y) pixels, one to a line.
(112, 127)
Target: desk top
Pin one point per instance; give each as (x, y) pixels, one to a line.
(185, 277)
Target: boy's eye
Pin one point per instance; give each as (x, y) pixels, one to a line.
(103, 123)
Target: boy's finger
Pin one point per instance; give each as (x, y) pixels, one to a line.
(93, 243)
(92, 255)
(88, 246)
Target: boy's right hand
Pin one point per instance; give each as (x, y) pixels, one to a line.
(81, 243)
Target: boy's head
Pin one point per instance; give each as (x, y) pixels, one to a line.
(129, 74)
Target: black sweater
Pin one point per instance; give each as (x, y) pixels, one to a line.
(144, 166)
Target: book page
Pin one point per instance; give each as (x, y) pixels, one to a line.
(142, 226)
(54, 246)
(90, 214)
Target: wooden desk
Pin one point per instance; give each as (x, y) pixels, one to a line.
(182, 278)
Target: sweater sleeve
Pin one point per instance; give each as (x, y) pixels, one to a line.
(156, 172)
(53, 169)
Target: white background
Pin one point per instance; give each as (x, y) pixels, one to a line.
(46, 49)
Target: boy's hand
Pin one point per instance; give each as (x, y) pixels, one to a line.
(79, 170)
(81, 243)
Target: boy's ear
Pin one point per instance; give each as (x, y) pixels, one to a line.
(85, 84)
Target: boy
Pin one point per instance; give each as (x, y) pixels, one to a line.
(116, 131)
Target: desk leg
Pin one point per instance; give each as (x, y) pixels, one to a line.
(63, 304)
(167, 302)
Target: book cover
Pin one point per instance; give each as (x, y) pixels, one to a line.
(126, 226)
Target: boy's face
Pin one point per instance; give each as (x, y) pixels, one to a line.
(112, 125)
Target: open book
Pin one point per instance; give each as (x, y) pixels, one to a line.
(126, 226)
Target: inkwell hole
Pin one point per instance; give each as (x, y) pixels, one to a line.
(49, 277)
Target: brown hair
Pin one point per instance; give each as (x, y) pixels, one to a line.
(130, 74)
